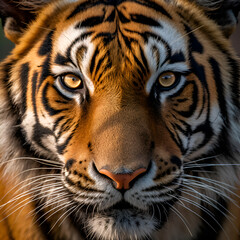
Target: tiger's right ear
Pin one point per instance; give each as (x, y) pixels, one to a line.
(16, 15)
(223, 12)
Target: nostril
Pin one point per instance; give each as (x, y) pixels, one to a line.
(123, 180)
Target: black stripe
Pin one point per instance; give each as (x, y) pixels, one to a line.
(100, 61)
(63, 146)
(45, 71)
(93, 60)
(142, 69)
(139, 18)
(90, 22)
(61, 60)
(154, 6)
(183, 130)
(34, 84)
(111, 17)
(46, 46)
(89, 4)
(177, 57)
(127, 40)
(45, 102)
(107, 37)
(122, 18)
(83, 6)
(220, 89)
(235, 71)
(194, 44)
(109, 65)
(24, 73)
(145, 62)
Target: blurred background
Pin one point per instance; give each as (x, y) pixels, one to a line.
(6, 45)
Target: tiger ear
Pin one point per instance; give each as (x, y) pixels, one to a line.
(16, 15)
(223, 12)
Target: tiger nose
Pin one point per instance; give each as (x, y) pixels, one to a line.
(122, 180)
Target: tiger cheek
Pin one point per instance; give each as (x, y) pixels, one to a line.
(167, 155)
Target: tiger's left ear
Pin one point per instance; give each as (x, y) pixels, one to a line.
(223, 12)
(17, 14)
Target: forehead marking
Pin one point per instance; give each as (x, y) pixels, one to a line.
(169, 38)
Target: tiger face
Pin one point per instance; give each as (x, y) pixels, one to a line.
(132, 104)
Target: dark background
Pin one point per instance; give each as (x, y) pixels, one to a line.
(6, 45)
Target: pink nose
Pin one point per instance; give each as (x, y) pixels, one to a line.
(123, 180)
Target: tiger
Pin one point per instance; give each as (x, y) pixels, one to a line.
(119, 120)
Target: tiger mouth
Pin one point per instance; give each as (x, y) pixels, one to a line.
(164, 207)
(158, 212)
(122, 218)
(121, 206)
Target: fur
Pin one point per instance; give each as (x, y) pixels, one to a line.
(56, 140)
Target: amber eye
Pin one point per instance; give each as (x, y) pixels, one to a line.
(167, 79)
(71, 81)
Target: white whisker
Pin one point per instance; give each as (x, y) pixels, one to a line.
(27, 191)
(202, 159)
(39, 160)
(213, 181)
(206, 211)
(38, 178)
(212, 188)
(211, 165)
(182, 218)
(67, 213)
(54, 199)
(23, 196)
(61, 206)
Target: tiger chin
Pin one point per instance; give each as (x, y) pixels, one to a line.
(119, 120)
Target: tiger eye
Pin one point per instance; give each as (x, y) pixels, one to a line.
(167, 79)
(72, 81)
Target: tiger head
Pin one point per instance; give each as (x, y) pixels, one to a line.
(127, 109)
